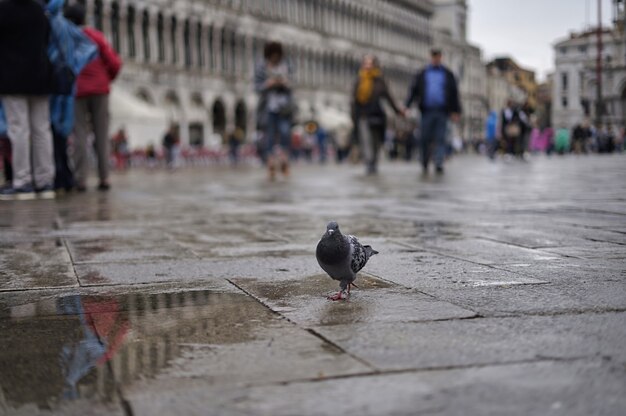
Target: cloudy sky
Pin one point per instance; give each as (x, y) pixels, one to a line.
(527, 29)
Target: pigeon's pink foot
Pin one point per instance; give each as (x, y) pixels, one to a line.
(337, 296)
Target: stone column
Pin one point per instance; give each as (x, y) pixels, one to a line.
(123, 31)
(217, 48)
(167, 38)
(138, 29)
(180, 42)
(106, 21)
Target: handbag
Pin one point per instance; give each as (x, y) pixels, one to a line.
(512, 129)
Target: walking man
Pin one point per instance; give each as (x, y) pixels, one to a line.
(436, 92)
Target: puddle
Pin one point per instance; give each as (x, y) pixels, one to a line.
(86, 346)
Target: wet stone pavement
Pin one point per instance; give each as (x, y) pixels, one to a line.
(499, 289)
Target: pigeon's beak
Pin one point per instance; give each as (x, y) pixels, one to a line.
(330, 232)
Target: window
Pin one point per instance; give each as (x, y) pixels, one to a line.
(173, 40)
(145, 34)
(199, 45)
(187, 43)
(160, 38)
(115, 26)
(564, 81)
(210, 53)
(563, 50)
(582, 48)
(564, 102)
(130, 31)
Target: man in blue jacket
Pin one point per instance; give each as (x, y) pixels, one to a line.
(436, 92)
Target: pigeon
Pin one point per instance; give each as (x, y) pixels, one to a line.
(341, 256)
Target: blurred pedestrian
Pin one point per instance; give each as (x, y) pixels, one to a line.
(92, 103)
(5, 151)
(322, 139)
(235, 139)
(25, 86)
(170, 140)
(562, 141)
(368, 116)
(73, 48)
(491, 134)
(436, 92)
(121, 152)
(535, 144)
(273, 83)
(511, 128)
(580, 137)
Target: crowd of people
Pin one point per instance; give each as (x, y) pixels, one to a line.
(434, 89)
(55, 81)
(54, 84)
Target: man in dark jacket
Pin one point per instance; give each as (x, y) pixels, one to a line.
(25, 83)
(436, 92)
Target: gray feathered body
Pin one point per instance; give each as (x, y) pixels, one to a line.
(342, 256)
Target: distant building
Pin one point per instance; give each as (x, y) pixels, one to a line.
(500, 90)
(190, 62)
(465, 61)
(575, 77)
(518, 76)
(543, 112)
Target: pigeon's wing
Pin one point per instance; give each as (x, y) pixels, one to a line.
(359, 255)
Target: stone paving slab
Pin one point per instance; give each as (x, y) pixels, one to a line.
(500, 288)
(47, 261)
(537, 388)
(463, 342)
(304, 302)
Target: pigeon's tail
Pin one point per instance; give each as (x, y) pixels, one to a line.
(370, 251)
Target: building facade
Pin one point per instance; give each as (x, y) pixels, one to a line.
(522, 78)
(575, 84)
(191, 62)
(500, 89)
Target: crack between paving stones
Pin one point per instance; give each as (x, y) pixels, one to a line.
(309, 330)
(451, 256)
(539, 359)
(69, 254)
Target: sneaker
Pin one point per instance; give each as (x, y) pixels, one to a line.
(439, 170)
(23, 193)
(46, 192)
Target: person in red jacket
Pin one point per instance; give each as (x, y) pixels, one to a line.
(92, 103)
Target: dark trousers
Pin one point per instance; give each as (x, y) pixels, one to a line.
(5, 150)
(434, 127)
(64, 177)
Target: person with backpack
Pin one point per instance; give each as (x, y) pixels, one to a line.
(71, 49)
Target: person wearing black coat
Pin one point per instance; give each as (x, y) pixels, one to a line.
(436, 92)
(512, 128)
(369, 118)
(25, 84)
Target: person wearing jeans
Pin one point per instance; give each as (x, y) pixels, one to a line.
(435, 89)
(25, 84)
(92, 103)
(369, 118)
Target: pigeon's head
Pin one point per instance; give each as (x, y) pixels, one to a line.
(332, 228)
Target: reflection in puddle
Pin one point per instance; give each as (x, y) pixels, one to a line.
(87, 346)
